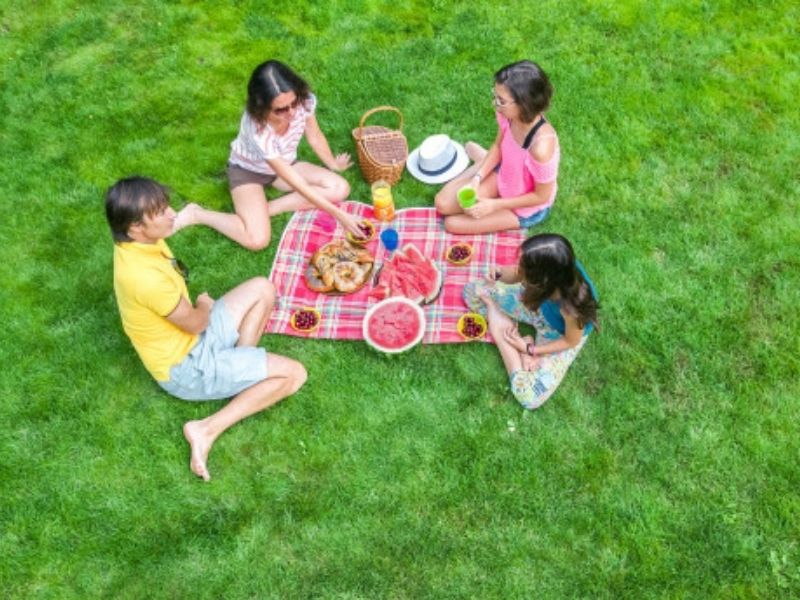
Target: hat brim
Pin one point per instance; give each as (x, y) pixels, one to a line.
(461, 163)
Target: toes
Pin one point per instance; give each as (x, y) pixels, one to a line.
(199, 468)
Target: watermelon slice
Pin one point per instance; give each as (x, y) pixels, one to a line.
(430, 278)
(411, 275)
(394, 325)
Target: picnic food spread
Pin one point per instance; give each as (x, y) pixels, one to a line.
(305, 320)
(368, 232)
(339, 268)
(471, 326)
(408, 274)
(459, 254)
(394, 325)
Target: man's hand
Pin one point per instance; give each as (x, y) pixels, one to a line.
(204, 301)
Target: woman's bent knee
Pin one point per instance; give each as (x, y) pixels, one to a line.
(341, 189)
(441, 202)
(256, 241)
(451, 225)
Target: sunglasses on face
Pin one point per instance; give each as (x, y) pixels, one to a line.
(499, 102)
(282, 110)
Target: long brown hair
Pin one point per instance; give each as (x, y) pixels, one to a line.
(547, 264)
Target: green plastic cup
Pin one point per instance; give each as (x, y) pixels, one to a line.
(467, 196)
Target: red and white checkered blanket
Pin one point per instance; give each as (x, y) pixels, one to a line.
(342, 315)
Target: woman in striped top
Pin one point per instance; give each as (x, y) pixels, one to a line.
(280, 110)
(516, 178)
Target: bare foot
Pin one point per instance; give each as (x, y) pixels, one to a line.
(484, 295)
(476, 152)
(187, 216)
(494, 315)
(199, 445)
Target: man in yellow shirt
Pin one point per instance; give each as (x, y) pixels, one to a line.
(204, 351)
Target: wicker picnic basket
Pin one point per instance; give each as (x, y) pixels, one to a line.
(382, 152)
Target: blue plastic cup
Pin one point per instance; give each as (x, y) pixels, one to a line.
(390, 239)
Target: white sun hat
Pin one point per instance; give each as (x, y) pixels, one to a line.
(437, 160)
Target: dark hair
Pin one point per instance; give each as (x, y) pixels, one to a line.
(129, 200)
(270, 79)
(529, 87)
(547, 264)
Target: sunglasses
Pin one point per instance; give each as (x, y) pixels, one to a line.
(499, 102)
(179, 266)
(282, 110)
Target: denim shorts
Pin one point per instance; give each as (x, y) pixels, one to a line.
(534, 219)
(215, 368)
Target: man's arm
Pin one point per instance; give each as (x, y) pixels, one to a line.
(192, 319)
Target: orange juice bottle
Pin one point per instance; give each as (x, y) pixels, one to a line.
(382, 201)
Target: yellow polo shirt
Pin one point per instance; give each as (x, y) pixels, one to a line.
(148, 288)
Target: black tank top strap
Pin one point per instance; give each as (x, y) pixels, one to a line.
(529, 138)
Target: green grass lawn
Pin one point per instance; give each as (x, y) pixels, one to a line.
(665, 466)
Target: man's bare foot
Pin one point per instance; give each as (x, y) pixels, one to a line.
(187, 216)
(476, 152)
(199, 445)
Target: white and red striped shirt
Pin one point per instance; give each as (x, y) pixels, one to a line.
(256, 143)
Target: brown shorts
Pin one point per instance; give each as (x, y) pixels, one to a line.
(238, 176)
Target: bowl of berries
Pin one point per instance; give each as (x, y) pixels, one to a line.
(459, 254)
(305, 320)
(472, 326)
(368, 232)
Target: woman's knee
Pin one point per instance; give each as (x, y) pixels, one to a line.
(445, 201)
(452, 224)
(257, 240)
(439, 201)
(340, 189)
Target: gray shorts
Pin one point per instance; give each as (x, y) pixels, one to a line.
(215, 368)
(238, 176)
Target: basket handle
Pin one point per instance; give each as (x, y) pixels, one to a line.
(380, 109)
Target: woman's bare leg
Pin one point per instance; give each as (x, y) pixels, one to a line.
(446, 200)
(498, 322)
(328, 184)
(475, 151)
(249, 225)
(501, 220)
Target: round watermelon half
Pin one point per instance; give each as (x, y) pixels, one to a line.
(394, 325)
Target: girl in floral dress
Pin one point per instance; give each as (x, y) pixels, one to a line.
(550, 290)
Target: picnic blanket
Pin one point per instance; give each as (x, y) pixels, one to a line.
(342, 316)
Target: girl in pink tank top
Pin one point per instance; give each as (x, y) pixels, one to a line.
(516, 178)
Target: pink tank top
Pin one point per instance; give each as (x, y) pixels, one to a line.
(519, 171)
